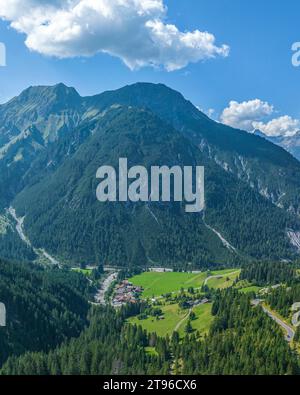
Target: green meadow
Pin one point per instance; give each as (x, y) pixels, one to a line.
(173, 318)
(176, 319)
(203, 319)
(86, 272)
(157, 284)
(227, 279)
(252, 288)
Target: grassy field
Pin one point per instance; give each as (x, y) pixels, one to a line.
(174, 316)
(86, 272)
(203, 318)
(252, 288)
(157, 284)
(246, 286)
(227, 279)
(224, 272)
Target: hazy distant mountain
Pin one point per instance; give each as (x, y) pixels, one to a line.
(289, 143)
(52, 141)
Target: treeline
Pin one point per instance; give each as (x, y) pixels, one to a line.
(268, 273)
(44, 307)
(242, 340)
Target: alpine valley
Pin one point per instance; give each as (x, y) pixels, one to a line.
(90, 288)
(52, 141)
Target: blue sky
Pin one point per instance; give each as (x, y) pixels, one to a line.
(259, 33)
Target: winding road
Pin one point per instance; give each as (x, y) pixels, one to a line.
(296, 319)
(99, 297)
(290, 333)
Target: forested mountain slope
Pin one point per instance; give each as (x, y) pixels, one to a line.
(64, 216)
(266, 167)
(44, 307)
(241, 340)
(52, 141)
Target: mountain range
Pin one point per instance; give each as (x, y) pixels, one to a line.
(52, 142)
(289, 143)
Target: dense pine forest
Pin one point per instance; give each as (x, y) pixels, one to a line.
(282, 298)
(108, 346)
(242, 340)
(11, 245)
(268, 273)
(44, 307)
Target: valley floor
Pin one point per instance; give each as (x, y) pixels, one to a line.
(180, 296)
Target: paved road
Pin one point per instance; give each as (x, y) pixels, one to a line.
(100, 296)
(290, 333)
(296, 319)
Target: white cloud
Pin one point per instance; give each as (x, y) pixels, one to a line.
(210, 112)
(133, 30)
(242, 115)
(255, 114)
(282, 126)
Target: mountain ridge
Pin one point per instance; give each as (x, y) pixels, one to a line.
(262, 176)
(290, 144)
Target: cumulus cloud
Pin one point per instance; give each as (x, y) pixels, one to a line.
(133, 30)
(283, 126)
(242, 115)
(256, 114)
(211, 112)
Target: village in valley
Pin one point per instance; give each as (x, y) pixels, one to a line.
(126, 292)
(179, 301)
